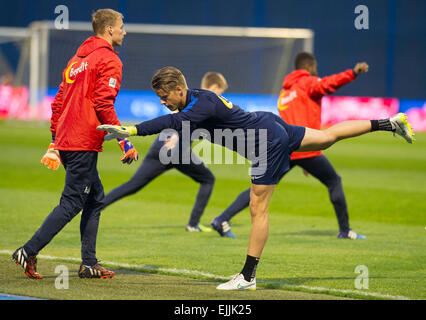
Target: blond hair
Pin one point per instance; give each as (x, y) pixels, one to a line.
(214, 78)
(103, 18)
(167, 79)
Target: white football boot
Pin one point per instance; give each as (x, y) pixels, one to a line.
(401, 126)
(238, 283)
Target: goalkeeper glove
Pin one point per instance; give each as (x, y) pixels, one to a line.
(118, 132)
(129, 151)
(51, 159)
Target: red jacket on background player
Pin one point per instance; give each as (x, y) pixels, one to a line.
(299, 102)
(86, 97)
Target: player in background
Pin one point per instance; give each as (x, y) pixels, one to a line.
(206, 111)
(214, 81)
(86, 97)
(299, 103)
(152, 167)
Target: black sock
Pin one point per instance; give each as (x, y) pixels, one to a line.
(249, 270)
(381, 125)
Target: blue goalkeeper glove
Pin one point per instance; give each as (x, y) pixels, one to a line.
(129, 151)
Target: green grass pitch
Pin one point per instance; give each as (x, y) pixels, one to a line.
(144, 236)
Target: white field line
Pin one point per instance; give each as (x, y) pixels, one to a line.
(148, 268)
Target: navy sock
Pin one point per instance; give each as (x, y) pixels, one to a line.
(249, 269)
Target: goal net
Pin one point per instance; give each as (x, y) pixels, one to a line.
(253, 60)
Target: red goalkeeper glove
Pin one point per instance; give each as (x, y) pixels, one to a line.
(129, 151)
(51, 159)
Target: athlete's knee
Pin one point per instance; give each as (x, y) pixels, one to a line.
(333, 182)
(259, 198)
(333, 179)
(211, 179)
(90, 213)
(72, 204)
(208, 179)
(338, 179)
(258, 207)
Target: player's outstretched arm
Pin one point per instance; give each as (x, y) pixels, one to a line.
(198, 113)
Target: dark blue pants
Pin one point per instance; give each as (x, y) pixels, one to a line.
(152, 167)
(320, 168)
(84, 192)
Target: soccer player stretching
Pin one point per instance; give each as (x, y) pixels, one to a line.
(85, 99)
(152, 166)
(299, 104)
(205, 110)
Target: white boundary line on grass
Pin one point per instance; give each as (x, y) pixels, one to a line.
(136, 267)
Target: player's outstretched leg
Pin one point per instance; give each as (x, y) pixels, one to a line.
(315, 140)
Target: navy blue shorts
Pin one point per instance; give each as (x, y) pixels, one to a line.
(286, 139)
